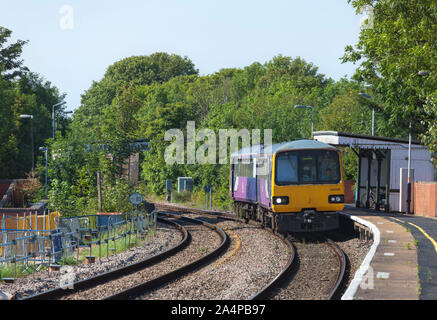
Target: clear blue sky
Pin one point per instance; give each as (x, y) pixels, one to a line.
(213, 34)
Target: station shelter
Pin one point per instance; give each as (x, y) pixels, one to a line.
(383, 167)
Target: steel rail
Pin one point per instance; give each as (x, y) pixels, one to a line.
(155, 283)
(60, 292)
(341, 270)
(280, 278)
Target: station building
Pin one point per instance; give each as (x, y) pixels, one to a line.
(383, 171)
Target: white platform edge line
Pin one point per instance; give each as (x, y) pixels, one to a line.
(358, 278)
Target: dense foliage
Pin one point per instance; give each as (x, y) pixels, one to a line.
(259, 96)
(400, 42)
(22, 92)
(143, 97)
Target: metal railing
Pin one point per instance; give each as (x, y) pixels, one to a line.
(31, 249)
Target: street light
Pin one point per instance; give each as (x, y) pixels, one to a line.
(373, 111)
(27, 116)
(45, 149)
(57, 120)
(312, 116)
(421, 73)
(53, 116)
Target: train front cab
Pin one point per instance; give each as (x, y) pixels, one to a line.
(304, 199)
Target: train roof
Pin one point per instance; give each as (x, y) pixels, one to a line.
(283, 146)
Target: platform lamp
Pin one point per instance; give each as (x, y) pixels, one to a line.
(53, 116)
(56, 122)
(45, 149)
(365, 95)
(30, 116)
(421, 73)
(312, 116)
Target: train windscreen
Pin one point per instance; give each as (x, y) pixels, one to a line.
(307, 167)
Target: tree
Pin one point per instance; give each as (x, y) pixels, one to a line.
(119, 127)
(158, 67)
(10, 64)
(132, 71)
(399, 41)
(9, 146)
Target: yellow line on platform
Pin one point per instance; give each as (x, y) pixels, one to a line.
(397, 220)
(426, 235)
(434, 243)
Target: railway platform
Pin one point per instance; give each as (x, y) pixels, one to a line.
(402, 263)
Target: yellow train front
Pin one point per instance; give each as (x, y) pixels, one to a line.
(293, 186)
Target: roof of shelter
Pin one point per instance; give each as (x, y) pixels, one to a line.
(364, 141)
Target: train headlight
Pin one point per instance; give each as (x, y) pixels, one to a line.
(281, 200)
(336, 199)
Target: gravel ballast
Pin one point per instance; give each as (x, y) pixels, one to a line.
(162, 239)
(255, 256)
(238, 274)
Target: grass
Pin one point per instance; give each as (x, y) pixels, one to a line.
(195, 200)
(9, 271)
(202, 249)
(110, 248)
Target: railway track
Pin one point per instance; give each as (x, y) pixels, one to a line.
(335, 291)
(148, 285)
(318, 272)
(131, 282)
(288, 274)
(92, 282)
(247, 266)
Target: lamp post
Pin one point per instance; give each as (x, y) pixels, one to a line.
(407, 209)
(30, 116)
(57, 120)
(53, 116)
(421, 73)
(373, 110)
(312, 116)
(45, 149)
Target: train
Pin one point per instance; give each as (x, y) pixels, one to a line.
(294, 186)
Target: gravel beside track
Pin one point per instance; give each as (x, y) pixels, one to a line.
(163, 238)
(254, 258)
(315, 273)
(355, 251)
(203, 241)
(319, 267)
(316, 268)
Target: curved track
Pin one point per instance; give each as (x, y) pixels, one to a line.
(341, 270)
(279, 279)
(89, 283)
(140, 289)
(287, 273)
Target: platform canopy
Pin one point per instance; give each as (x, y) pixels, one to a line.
(352, 140)
(382, 164)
